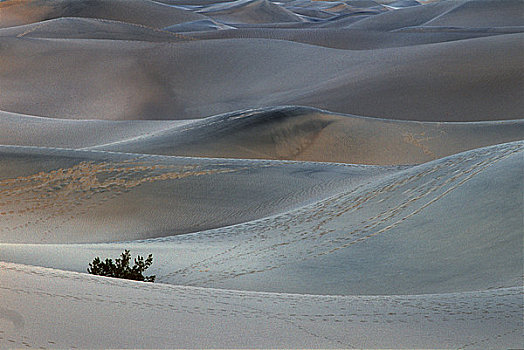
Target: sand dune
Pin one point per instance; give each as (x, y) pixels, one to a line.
(461, 13)
(487, 13)
(295, 133)
(182, 317)
(476, 79)
(90, 28)
(53, 195)
(285, 133)
(406, 232)
(306, 174)
(144, 12)
(354, 39)
(249, 11)
(24, 130)
(196, 26)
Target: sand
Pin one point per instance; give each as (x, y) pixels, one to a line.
(463, 80)
(306, 174)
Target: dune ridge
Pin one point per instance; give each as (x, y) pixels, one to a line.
(307, 134)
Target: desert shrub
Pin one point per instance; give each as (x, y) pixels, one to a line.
(121, 269)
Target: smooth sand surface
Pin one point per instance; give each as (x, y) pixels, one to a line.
(443, 61)
(25, 130)
(163, 316)
(353, 39)
(306, 174)
(475, 79)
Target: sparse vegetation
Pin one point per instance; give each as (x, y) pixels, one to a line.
(121, 269)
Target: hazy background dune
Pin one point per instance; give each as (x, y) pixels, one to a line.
(144, 12)
(475, 79)
(91, 28)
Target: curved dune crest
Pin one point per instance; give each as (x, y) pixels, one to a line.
(307, 134)
(26, 130)
(90, 28)
(407, 233)
(285, 133)
(354, 39)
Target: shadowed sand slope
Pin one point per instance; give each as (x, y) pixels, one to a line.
(296, 133)
(51, 195)
(144, 12)
(476, 79)
(92, 309)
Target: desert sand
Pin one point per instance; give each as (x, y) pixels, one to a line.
(306, 174)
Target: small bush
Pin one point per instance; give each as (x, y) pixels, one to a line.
(121, 269)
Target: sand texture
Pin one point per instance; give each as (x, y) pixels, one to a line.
(306, 174)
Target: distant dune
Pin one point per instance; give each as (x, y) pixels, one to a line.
(475, 79)
(90, 28)
(250, 11)
(144, 12)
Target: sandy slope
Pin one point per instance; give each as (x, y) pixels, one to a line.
(476, 79)
(25, 130)
(52, 195)
(397, 250)
(97, 312)
(403, 233)
(286, 133)
(313, 135)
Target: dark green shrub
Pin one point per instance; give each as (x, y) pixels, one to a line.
(121, 269)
